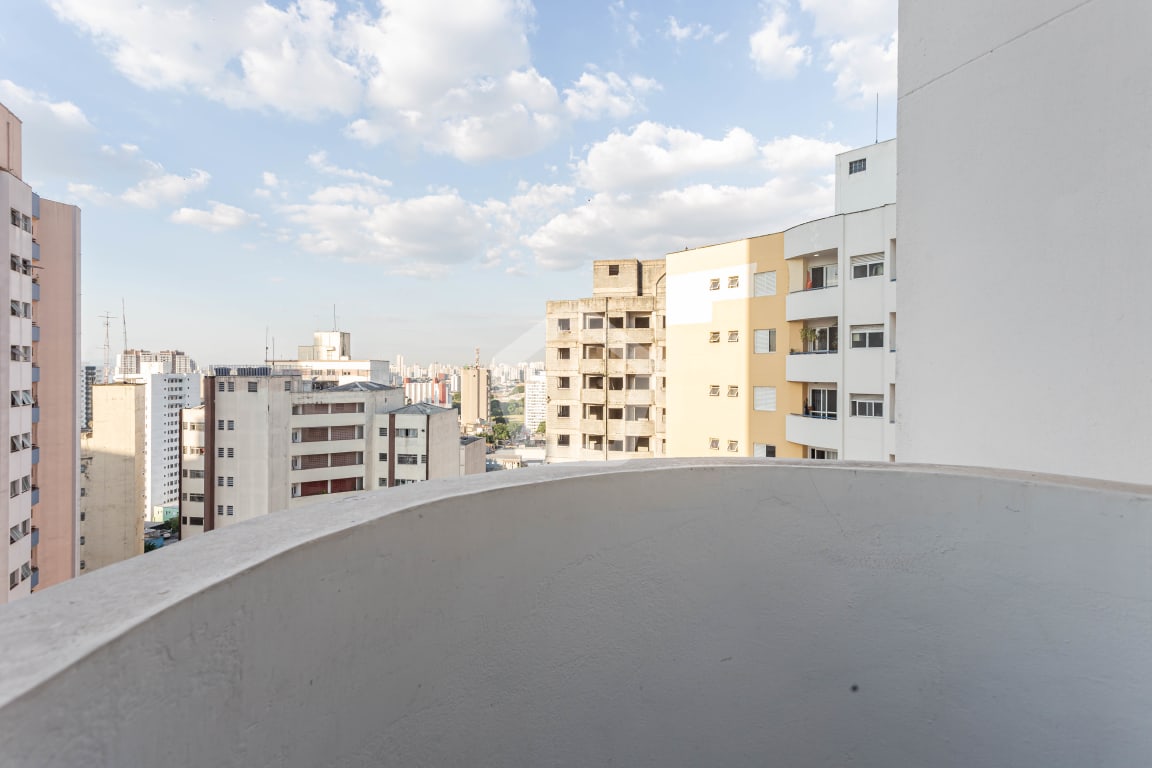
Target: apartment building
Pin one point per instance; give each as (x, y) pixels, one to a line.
(265, 441)
(113, 461)
(87, 381)
(842, 299)
(171, 383)
(605, 366)
(328, 362)
(43, 286)
(475, 396)
(535, 402)
(728, 339)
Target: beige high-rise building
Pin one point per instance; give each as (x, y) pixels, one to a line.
(605, 366)
(113, 460)
(475, 395)
(729, 337)
(42, 378)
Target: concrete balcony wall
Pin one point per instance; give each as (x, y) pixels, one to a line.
(808, 305)
(817, 433)
(661, 612)
(301, 421)
(814, 367)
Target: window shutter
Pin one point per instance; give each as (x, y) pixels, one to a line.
(764, 341)
(764, 283)
(868, 258)
(764, 398)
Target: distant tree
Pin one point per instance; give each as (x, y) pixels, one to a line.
(542, 428)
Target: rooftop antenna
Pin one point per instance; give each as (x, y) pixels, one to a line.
(877, 118)
(477, 357)
(124, 321)
(266, 344)
(107, 346)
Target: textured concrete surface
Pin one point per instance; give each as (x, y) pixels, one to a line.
(672, 613)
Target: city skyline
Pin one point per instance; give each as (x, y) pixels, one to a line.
(437, 174)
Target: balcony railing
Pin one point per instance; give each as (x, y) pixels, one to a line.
(658, 612)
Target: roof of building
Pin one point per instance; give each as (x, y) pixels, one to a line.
(469, 439)
(424, 408)
(361, 386)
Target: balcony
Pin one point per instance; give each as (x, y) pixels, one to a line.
(35, 290)
(35, 577)
(35, 373)
(816, 432)
(35, 537)
(35, 251)
(35, 495)
(35, 414)
(35, 332)
(35, 448)
(813, 366)
(818, 302)
(595, 366)
(657, 612)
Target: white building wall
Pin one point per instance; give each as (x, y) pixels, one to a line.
(872, 187)
(535, 402)
(1025, 180)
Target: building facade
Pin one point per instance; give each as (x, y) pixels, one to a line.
(728, 342)
(535, 402)
(475, 396)
(264, 441)
(1023, 239)
(605, 366)
(43, 285)
(113, 460)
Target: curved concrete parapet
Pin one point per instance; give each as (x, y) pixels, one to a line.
(670, 613)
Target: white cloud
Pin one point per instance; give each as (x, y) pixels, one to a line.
(691, 31)
(90, 193)
(218, 218)
(319, 161)
(595, 95)
(801, 154)
(774, 50)
(270, 179)
(624, 22)
(453, 76)
(32, 107)
(861, 43)
(168, 188)
(655, 154)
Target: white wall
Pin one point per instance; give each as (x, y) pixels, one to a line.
(872, 187)
(1024, 186)
(555, 616)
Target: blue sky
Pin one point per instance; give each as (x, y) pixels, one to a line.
(437, 169)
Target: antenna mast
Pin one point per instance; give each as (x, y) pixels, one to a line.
(477, 357)
(124, 321)
(107, 346)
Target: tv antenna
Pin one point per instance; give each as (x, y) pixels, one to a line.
(107, 346)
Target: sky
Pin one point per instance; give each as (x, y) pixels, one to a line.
(425, 174)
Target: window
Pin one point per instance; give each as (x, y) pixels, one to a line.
(714, 337)
(407, 432)
(196, 497)
(382, 482)
(219, 386)
(423, 458)
(857, 166)
(594, 382)
(564, 324)
(714, 284)
(764, 341)
(763, 398)
(15, 263)
(714, 390)
(406, 458)
(763, 450)
(231, 453)
(563, 382)
(867, 336)
(613, 269)
(733, 336)
(564, 353)
(231, 481)
(616, 383)
(822, 339)
(822, 453)
(383, 431)
(562, 411)
(824, 276)
(219, 509)
(639, 382)
(219, 453)
(383, 457)
(764, 284)
(563, 440)
(615, 353)
(615, 413)
(231, 386)
(869, 265)
(638, 413)
(733, 446)
(733, 281)
(593, 322)
(733, 390)
(252, 386)
(714, 443)
(231, 510)
(195, 474)
(220, 481)
(288, 386)
(14, 579)
(219, 424)
(867, 405)
(822, 403)
(641, 321)
(231, 425)
(15, 217)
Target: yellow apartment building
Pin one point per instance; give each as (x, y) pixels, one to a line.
(728, 341)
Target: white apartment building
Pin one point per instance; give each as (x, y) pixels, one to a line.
(167, 391)
(265, 441)
(535, 401)
(328, 362)
(605, 366)
(41, 376)
(842, 270)
(1025, 178)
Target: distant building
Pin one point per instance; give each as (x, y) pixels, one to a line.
(264, 442)
(133, 362)
(434, 391)
(475, 396)
(88, 378)
(113, 457)
(328, 362)
(605, 366)
(535, 402)
(43, 371)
